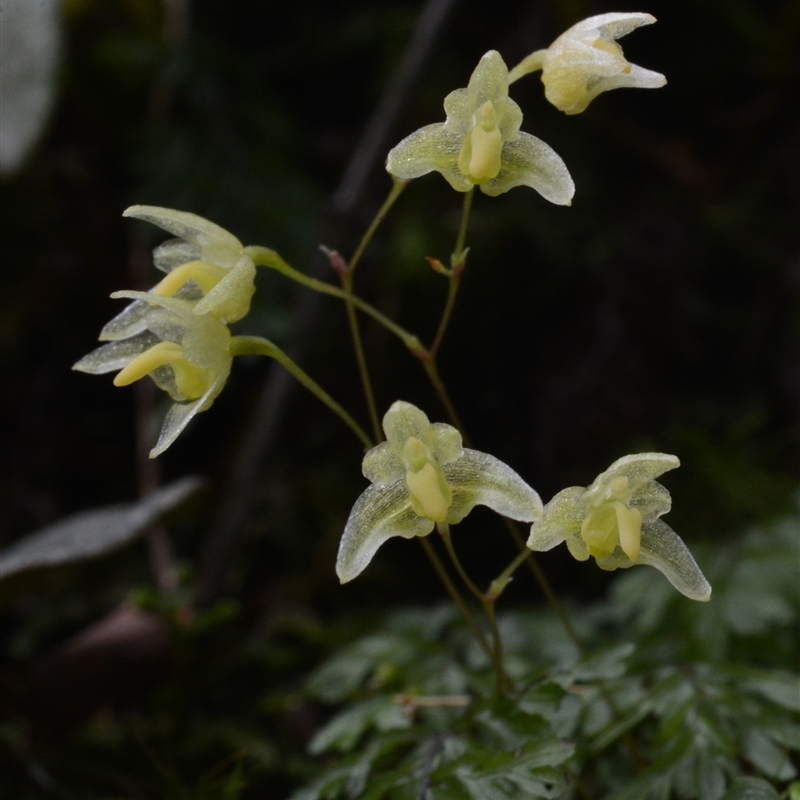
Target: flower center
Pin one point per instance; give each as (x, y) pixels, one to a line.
(482, 148)
(425, 481)
(612, 522)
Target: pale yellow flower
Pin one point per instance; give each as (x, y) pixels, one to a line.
(480, 143)
(616, 520)
(421, 475)
(586, 60)
(187, 355)
(205, 265)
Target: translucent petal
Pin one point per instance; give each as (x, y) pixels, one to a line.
(174, 253)
(182, 308)
(459, 112)
(230, 298)
(638, 469)
(207, 343)
(652, 500)
(562, 519)
(577, 548)
(167, 326)
(130, 321)
(613, 25)
(663, 549)
(379, 513)
(489, 81)
(404, 420)
(480, 479)
(427, 150)
(382, 465)
(181, 414)
(580, 60)
(116, 355)
(218, 246)
(448, 445)
(636, 78)
(528, 161)
(509, 118)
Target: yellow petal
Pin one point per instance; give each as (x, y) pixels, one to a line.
(629, 521)
(158, 355)
(205, 275)
(424, 488)
(485, 150)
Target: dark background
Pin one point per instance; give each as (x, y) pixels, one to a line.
(659, 312)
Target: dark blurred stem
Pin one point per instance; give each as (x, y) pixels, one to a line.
(544, 584)
(455, 596)
(256, 346)
(487, 603)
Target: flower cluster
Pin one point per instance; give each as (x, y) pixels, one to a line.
(177, 333)
(617, 521)
(480, 142)
(422, 475)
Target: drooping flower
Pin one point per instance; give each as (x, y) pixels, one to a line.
(616, 520)
(481, 144)
(205, 264)
(421, 475)
(586, 60)
(188, 355)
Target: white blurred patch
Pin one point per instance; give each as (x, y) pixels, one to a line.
(29, 50)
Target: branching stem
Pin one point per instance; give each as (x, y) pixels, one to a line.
(256, 346)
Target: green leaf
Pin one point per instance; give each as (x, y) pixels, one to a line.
(750, 789)
(89, 534)
(345, 672)
(602, 665)
(782, 688)
(761, 751)
(345, 729)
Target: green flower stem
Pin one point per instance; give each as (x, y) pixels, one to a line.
(397, 187)
(498, 585)
(361, 359)
(457, 263)
(459, 254)
(454, 278)
(264, 257)
(256, 346)
(455, 596)
(544, 584)
(487, 603)
(352, 318)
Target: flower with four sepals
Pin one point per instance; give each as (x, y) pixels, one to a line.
(586, 60)
(480, 143)
(616, 520)
(421, 475)
(204, 264)
(188, 355)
